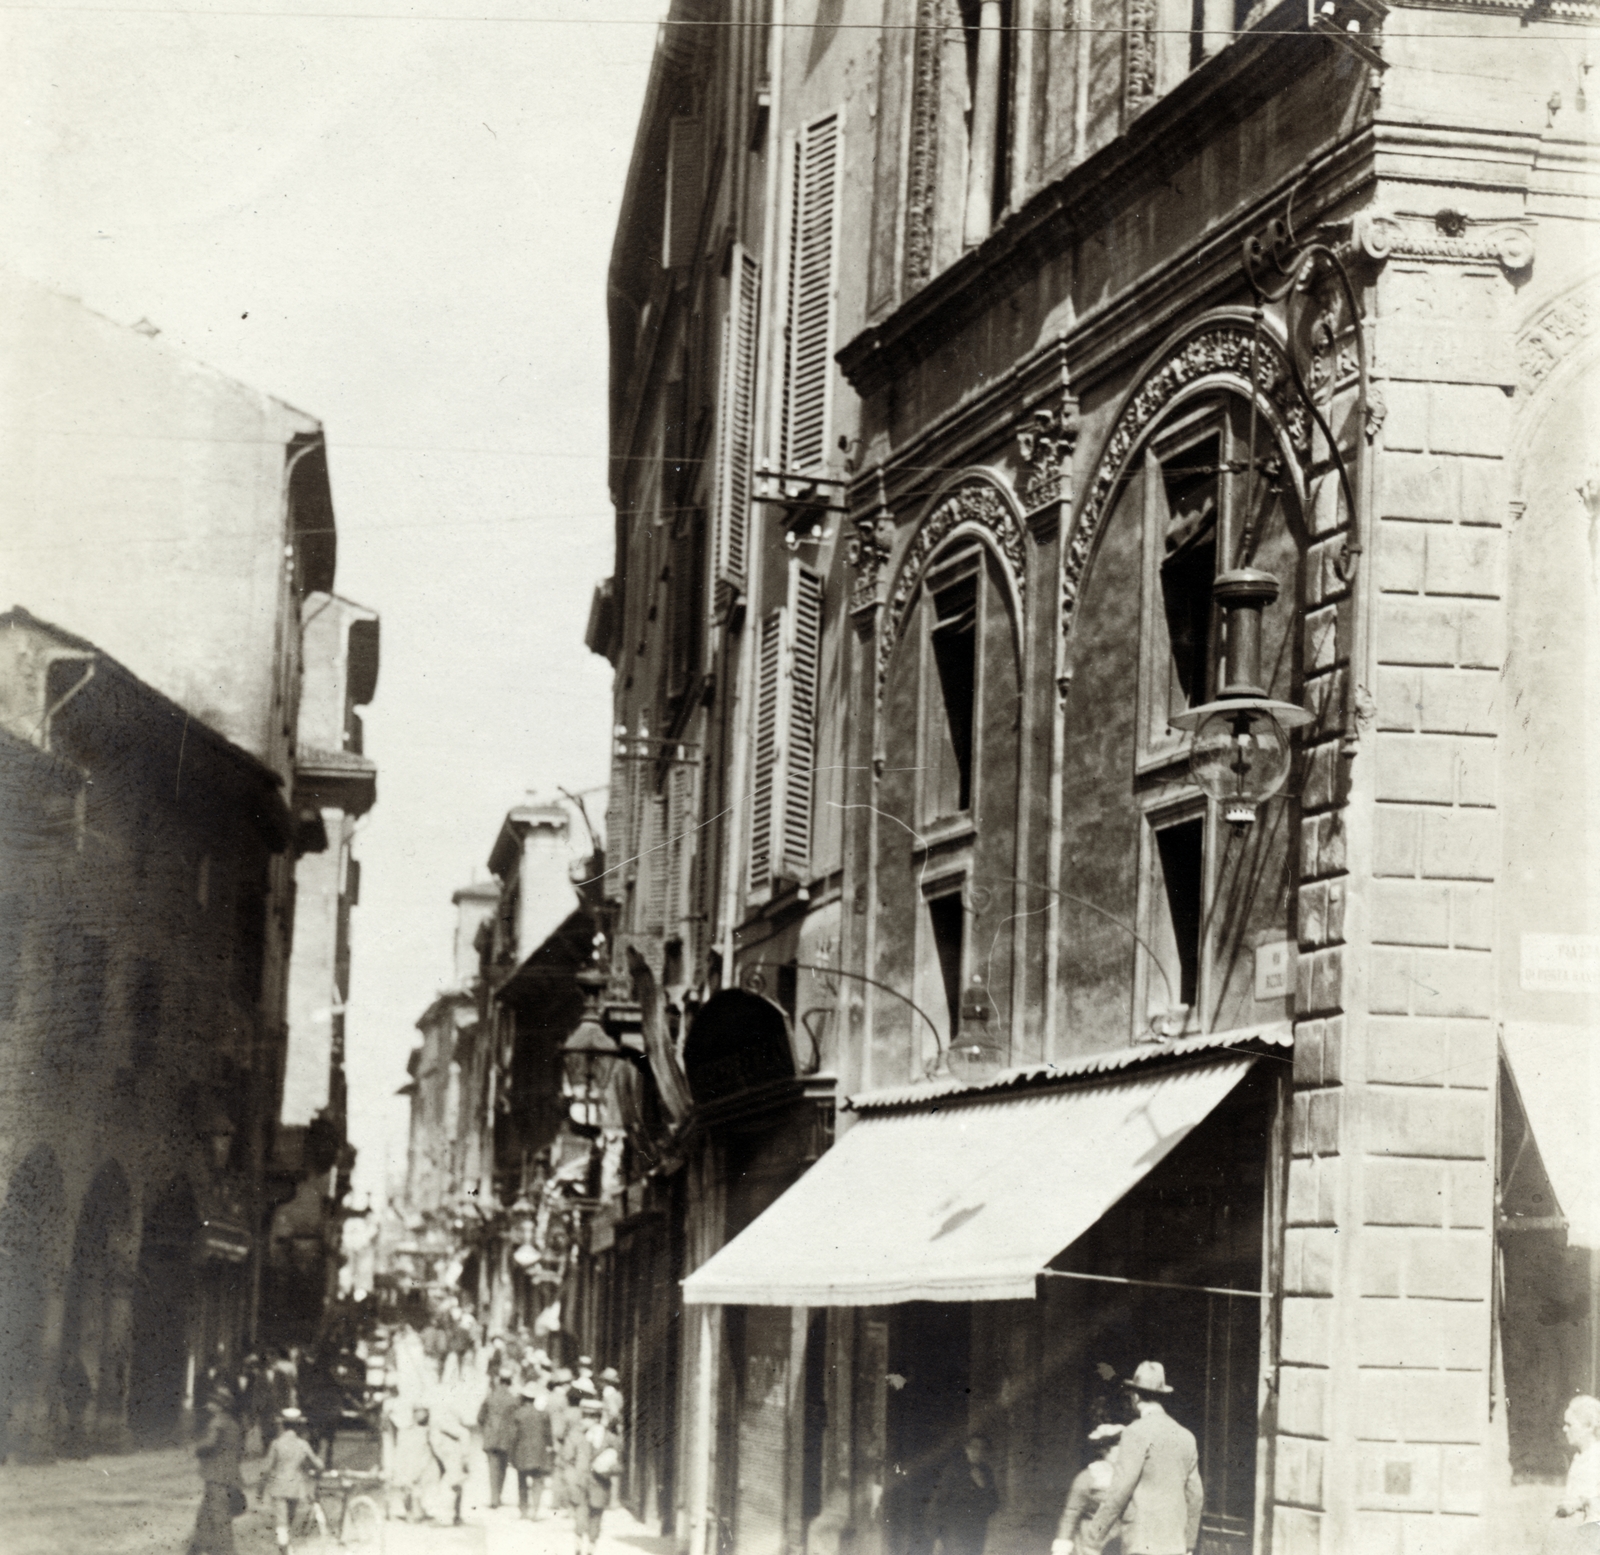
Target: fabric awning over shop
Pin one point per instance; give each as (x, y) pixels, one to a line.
(1557, 1073)
(963, 1201)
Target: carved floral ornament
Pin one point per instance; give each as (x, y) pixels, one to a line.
(1221, 352)
(974, 504)
(1045, 441)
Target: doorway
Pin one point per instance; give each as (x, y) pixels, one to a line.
(928, 1413)
(163, 1303)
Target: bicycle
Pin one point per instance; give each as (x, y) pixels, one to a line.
(359, 1517)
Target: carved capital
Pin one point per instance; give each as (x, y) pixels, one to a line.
(1045, 440)
(1447, 237)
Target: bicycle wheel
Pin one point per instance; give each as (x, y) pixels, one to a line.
(363, 1522)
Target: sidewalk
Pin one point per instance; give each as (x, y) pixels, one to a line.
(144, 1504)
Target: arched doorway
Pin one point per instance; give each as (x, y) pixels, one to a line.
(163, 1303)
(93, 1367)
(35, 1206)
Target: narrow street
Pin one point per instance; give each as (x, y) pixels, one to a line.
(144, 1504)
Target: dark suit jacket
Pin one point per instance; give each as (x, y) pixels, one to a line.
(1157, 1483)
(495, 1419)
(530, 1442)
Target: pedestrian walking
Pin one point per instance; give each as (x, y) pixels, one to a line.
(447, 1435)
(963, 1501)
(1156, 1483)
(289, 1477)
(531, 1449)
(561, 1406)
(1089, 1489)
(611, 1397)
(416, 1470)
(1578, 1528)
(222, 1495)
(496, 1417)
(593, 1458)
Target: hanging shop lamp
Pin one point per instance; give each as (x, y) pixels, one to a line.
(1241, 754)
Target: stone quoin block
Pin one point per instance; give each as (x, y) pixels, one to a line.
(1471, 1191)
(1309, 1036)
(1379, 1259)
(1420, 487)
(1319, 981)
(1465, 561)
(1325, 643)
(1316, 1122)
(1313, 915)
(1320, 785)
(1461, 1479)
(1403, 1192)
(1437, 1335)
(1402, 555)
(1296, 1530)
(1389, 980)
(1453, 982)
(1408, 1052)
(1410, 912)
(1483, 635)
(1300, 1470)
(1311, 846)
(1468, 418)
(1308, 1254)
(1405, 422)
(1485, 492)
(1424, 1122)
(1448, 1266)
(1472, 917)
(1313, 1191)
(1416, 769)
(1459, 701)
(1324, 561)
(1334, 853)
(1379, 1533)
(1396, 838)
(1307, 1333)
(1303, 1401)
(1325, 504)
(1399, 699)
(1413, 631)
(1420, 1406)
(1429, 1534)
(1460, 844)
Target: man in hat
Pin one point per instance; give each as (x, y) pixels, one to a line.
(289, 1476)
(1155, 1487)
(530, 1449)
(495, 1417)
(562, 1408)
(611, 1397)
(584, 1381)
(591, 1455)
(218, 1451)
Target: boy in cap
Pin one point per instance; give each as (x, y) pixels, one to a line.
(1156, 1483)
(592, 1458)
(289, 1476)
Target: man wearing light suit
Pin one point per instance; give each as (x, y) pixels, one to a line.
(1156, 1487)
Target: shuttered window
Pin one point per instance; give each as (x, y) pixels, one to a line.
(765, 768)
(785, 735)
(683, 604)
(805, 604)
(679, 841)
(685, 181)
(653, 865)
(811, 288)
(737, 450)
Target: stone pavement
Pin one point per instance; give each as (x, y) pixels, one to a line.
(144, 1504)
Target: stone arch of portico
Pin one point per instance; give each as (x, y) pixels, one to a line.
(1220, 351)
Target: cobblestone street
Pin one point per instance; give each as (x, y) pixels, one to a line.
(144, 1504)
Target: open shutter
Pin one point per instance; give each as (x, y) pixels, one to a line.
(653, 865)
(685, 181)
(680, 828)
(811, 288)
(799, 743)
(737, 450)
(765, 773)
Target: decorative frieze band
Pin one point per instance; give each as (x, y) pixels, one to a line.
(1555, 334)
(1448, 236)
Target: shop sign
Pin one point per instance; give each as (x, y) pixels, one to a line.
(1275, 970)
(1561, 963)
(224, 1242)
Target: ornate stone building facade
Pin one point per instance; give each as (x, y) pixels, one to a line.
(1139, 313)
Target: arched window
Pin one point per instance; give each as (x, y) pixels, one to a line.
(947, 860)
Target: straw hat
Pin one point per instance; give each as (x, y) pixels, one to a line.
(1150, 1377)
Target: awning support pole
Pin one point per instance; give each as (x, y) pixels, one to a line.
(1117, 1279)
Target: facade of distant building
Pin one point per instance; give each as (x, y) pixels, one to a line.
(965, 358)
(142, 1006)
(183, 524)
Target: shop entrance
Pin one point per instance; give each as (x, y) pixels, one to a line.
(163, 1305)
(928, 1413)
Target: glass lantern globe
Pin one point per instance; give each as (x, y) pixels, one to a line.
(1241, 756)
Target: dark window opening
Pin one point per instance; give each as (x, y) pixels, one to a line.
(1181, 850)
(948, 919)
(787, 987)
(955, 655)
(1189, 568)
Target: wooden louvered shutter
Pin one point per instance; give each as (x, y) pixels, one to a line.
(617, 849)
(683, 605)
(799, 742)
(653, 864)
(765, 767)
(680, 824)
(811, 289)
(685, 179)
(737, 451)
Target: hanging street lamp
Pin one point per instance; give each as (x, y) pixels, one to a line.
(589, 1056)
(1241, 754)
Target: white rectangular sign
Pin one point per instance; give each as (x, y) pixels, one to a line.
(1561, 963)
(1275, 970)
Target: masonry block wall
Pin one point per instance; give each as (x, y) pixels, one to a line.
(1384, 1388)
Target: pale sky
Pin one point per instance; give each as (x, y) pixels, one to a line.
(399, 223)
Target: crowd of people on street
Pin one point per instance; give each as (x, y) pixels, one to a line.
(434, 1397)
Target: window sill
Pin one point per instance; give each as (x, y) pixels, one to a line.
(944, 836)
